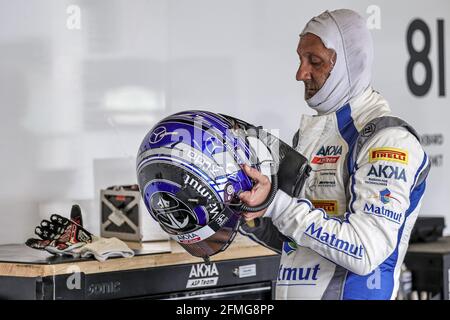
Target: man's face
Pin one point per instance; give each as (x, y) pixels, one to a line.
(316, 63)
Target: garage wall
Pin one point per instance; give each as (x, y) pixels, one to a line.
(83, 81)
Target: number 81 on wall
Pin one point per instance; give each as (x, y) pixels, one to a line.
(422, 56)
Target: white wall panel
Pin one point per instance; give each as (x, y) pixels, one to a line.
(69, 97)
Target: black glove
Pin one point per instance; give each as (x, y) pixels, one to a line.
(61, 235)
(264, 232)
(75, 215)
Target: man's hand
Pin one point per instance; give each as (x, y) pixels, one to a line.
(258, 194)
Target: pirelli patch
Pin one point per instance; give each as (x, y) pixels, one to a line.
(388, 154)
(330, 206)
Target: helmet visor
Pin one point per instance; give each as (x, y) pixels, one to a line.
(217, 242)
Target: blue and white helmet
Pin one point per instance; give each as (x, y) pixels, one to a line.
(189, 173)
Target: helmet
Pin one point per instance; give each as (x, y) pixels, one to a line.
(189, 173)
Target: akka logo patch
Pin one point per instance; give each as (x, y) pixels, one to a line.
(188, 238)
(330, 206)
(327, 154)
(388, 154)
(387, 172)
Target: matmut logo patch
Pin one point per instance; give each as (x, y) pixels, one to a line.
(388, 154)
(330, 206)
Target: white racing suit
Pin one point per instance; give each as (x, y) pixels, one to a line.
(350, 228)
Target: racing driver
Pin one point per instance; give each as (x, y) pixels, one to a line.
(348, 233)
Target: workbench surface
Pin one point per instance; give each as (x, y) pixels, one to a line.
(20, 261)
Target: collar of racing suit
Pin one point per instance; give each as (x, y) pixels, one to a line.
(365, 107)
(345, 32)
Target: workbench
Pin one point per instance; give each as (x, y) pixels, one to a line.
(164, 270)
(159, 270)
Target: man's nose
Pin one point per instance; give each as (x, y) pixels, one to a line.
(303, 73)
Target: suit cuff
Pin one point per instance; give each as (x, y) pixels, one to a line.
(278, 205)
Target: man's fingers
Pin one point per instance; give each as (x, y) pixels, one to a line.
(245, 196)
(248, 216)
(254, 174)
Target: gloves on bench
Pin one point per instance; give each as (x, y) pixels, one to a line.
(62, 236)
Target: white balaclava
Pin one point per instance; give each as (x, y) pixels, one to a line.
(345, 32)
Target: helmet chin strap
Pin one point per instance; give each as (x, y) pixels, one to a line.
(289, 168)
(240, 206)
(267, 202)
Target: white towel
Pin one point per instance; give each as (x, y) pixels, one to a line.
(104, 248)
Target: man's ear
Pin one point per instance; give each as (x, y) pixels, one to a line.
(333, 58)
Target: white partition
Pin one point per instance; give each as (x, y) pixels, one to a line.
(85, 80)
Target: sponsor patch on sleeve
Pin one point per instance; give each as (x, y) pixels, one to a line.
(388, 154)
(330, 206)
